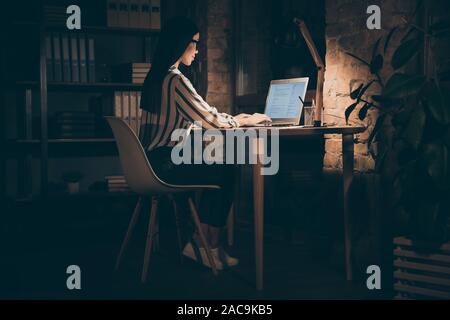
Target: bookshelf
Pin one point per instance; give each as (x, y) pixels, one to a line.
(34, 102)
(117, 31)
(86, 87)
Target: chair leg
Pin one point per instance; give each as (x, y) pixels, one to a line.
(230, 226)
(149, 242)
(156, 235)
(178, 227)
(130, 229)
(202, 236)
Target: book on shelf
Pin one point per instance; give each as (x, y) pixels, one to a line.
(77, 127)
(74, 58)
(112, 177)
(91, 59)
(66, 58)
(57, 58)
(120, 104)
(124, 187)
(123, 20)
(73, 124)
(83, 60)
(117, 106)
(117, 181)
(70, 58)
(125, 101)
(134, 14)
(155, 16)
(134, 112)
(75, 135)
(49, 57)
(75, 115)
(112, 13)
(144, 14)
(55, 15)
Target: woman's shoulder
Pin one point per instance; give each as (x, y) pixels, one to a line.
(175, 74)
(178, 78)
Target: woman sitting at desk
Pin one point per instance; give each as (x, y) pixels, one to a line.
(169, 102)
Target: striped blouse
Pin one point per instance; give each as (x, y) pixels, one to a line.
(181, 106)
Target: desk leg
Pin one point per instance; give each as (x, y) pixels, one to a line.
(258, 203)
(347, 159)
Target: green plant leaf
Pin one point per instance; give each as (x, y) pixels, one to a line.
(349, 111)
(436, 159)
(380, 159)
(409, 35)
(385, 101)
(363, 90)
(358, 58)
(396, 78)
(355, 93)
(376, 128)
(400, 118)
(388, 38)
(375, 48)
(363, 111)
(419, 5)
(405, 52)
(401, 86)
(436, 102)
(376, 64)
(414, 129)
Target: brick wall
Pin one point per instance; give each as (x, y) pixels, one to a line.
(220, 54)
(346, 31)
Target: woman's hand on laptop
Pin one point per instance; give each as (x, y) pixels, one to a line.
(247, 120)
(241, 117)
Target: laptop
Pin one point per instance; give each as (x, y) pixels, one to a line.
(285, 100)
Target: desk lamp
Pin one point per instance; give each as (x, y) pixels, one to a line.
(320, 70)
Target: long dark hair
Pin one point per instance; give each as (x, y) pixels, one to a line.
(174, 38)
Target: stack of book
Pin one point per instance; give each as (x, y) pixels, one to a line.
(117, 184)
(131, 72)
(126, 107)
(70, 58)
(122, 104)
(55, 15)
(75, 124)
(144, 14)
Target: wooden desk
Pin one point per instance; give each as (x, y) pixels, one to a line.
(258, 190)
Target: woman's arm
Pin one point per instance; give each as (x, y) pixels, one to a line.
(192, 106)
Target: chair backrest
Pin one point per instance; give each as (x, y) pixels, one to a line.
(137, 170)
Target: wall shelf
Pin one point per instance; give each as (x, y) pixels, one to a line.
(117, 31)
(79, 86)
(62, 148)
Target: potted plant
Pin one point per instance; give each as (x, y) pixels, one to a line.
(72, 180)
(413, 154)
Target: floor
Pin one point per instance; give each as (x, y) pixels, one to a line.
(35, 267)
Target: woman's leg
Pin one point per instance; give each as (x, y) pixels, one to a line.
(215, 203)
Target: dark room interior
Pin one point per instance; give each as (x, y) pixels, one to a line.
(358, 207)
